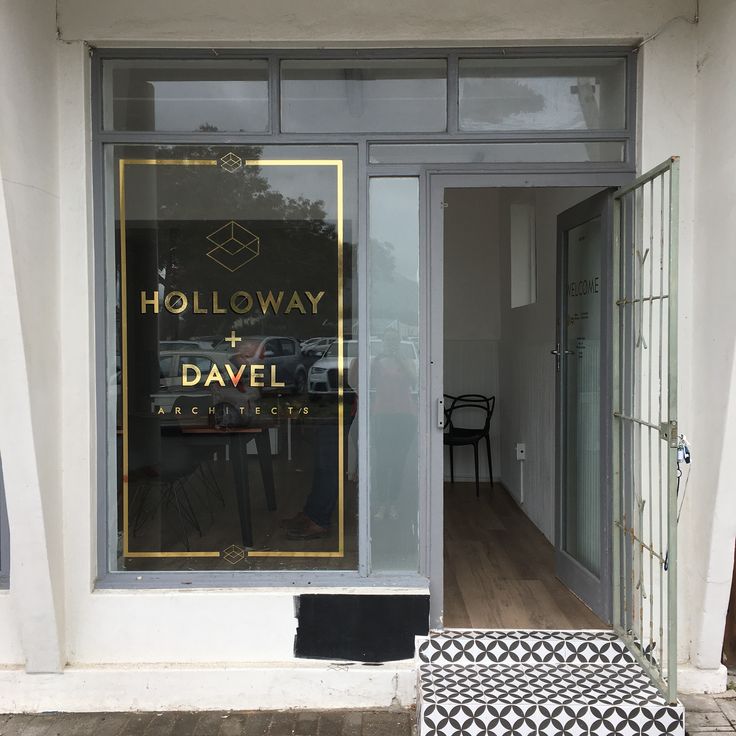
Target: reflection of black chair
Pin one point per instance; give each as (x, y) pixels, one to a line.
(456, 436)
(175, 468)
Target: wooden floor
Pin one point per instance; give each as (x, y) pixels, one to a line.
(499, 568)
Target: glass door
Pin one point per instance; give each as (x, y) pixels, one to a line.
(583, 537)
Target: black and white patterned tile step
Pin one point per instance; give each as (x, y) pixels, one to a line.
(510, 646)
(504, 683)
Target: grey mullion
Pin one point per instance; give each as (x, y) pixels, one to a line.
(453, 94)
(364, 516)
(395, 53)
(274, 94)
(631, 96)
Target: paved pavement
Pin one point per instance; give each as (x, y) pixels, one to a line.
(706, 715)
(259, 723)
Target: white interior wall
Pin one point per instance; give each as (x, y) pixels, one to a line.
(471, 312)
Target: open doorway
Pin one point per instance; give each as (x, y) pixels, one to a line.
(502, 281)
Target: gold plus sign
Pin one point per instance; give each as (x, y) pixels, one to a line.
(232, 339)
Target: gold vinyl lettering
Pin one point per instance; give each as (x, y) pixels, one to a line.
(270, 301)
(195, 410)
(177, 410)
(153, 301)
(235, 377)
(216, 308)
(195, 305)
(214, 376)
(210, 409)
(274, 410)
(256, 375)
(185, 370)
(314, 299)
(176, 302)
(295, 303)
(241, 302)
(160, 410)
(274, 382)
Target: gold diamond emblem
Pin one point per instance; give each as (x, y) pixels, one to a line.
(233, 554)
(230, 162)
(234, 246)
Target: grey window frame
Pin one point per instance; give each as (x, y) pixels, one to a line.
(608, 172)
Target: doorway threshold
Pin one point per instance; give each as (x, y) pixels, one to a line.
(496, 682)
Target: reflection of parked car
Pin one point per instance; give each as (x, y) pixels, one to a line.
(170, 365)
(193, 344)
(323, 375)
(316, 346)
(282, 352)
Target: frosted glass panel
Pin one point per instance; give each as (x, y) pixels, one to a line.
(582, 391)
(543, 94)
(394, 372)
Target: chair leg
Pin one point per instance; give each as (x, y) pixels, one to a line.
(477, 480)
(452, 465)
(490, 462)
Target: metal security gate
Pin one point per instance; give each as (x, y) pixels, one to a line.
(645, 435)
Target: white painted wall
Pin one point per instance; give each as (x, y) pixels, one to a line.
(29, 339)
(471, 313)
(355, 22)
(711, 502)
(527, 370)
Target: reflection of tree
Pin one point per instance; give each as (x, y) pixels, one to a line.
(298, 243)
(507, 98)
(393, 296)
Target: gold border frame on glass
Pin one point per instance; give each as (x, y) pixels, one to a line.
(338, 164)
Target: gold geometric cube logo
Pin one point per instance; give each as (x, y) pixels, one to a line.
(230, 162)
(233, 554)
(234, 246)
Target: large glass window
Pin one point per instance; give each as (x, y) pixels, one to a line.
(234, 438)
(391, 95)
(186, 95)
(543, 94)
(394, 372)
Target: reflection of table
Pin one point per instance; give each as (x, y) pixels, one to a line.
(237, 439)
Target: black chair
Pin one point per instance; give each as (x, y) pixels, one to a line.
(457, 436)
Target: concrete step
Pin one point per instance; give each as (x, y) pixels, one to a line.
(541, 683)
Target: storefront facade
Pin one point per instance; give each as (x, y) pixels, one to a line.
(167, 223)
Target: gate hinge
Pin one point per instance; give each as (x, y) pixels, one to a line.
(443, 205)
(668, 432)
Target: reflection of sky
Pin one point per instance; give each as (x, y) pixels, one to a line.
(394, 219)
(226, 105)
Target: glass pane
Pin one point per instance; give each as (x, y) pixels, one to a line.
(478, 153)
(231, 455)
(582, 394)
(195, 95)
(543, 94)
(334, 96)
(394, 371)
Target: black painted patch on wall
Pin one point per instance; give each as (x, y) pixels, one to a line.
(362, 628)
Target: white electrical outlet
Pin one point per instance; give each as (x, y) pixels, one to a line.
(520, 451)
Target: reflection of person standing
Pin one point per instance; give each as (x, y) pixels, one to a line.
(393, 420)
